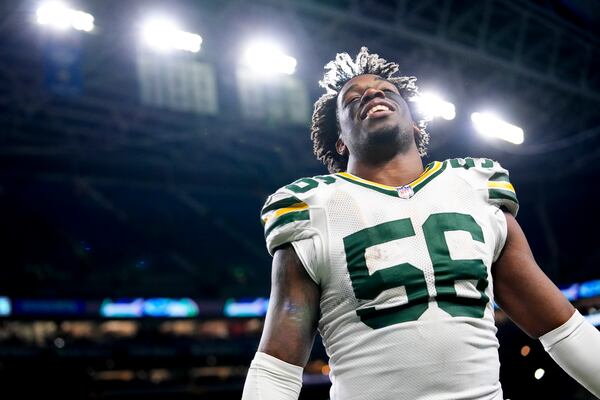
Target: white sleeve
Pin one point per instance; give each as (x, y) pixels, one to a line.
(491, 180)
(270, 378)
(501, 231)
(575, 346)
(286, 218)
(308, 251)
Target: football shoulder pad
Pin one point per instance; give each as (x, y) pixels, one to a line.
(288, 214)
(489, 179)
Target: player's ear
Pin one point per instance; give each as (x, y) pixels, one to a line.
(417, 133)
(340, 147)
(416, 129)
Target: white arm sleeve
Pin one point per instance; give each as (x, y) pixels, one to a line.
(270, 378)
(575, 346)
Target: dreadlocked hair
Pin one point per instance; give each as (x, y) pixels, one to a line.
(325, 125)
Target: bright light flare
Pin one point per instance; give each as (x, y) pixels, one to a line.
(490, 125)
(539, 373)
(58, 16)
(264, 57)
(434, 106)
(163, 34)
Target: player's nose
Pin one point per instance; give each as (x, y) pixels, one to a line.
(370, 94)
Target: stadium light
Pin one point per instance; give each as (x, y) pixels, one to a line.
(5, 306)
(58, 16)
(265, 57)
(434, 106)
(491, 126)
(163, 34)
(539, 373)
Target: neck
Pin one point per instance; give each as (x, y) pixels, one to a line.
(400, 170)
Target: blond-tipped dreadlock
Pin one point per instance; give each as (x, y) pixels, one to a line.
(325, 127)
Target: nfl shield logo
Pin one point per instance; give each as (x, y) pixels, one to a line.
(405, 192)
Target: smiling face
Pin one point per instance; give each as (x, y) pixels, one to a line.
(375, 121)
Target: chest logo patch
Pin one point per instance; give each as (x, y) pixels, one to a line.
(405, 192)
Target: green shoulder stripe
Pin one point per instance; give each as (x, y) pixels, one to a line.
(286, 219)
(283, 203)
(503, 195)
(499, 177)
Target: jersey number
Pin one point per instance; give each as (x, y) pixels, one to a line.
(446, 271)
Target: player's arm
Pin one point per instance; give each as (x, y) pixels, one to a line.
(289, 331)
(538, 307)
(522, 289)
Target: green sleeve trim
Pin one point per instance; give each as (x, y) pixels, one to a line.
(499, 177)
(283, 203)
(288, 218)
(499, 194)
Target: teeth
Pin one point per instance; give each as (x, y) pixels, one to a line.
(379, 107)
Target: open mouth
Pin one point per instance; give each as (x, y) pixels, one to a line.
(376, 108)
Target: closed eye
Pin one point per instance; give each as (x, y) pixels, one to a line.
(352, 100)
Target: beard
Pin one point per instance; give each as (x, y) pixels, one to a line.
(382, 143)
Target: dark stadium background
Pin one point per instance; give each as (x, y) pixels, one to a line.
(110, 194)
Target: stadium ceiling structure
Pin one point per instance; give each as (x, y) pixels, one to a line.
(513, 50)
(497, 51)
(520, 39)
(534, 65)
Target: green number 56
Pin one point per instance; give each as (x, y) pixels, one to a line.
(446, 271)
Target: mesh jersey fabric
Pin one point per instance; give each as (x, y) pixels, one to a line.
(405, 276)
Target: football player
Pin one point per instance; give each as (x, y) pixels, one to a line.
(398, 264)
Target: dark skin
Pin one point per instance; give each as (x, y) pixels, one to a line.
(381, 148)
(291, 321)
(523, 291)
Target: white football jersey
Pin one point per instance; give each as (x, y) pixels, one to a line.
(405, 276)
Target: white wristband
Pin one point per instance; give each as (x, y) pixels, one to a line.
(575, 346)
(270, 378)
